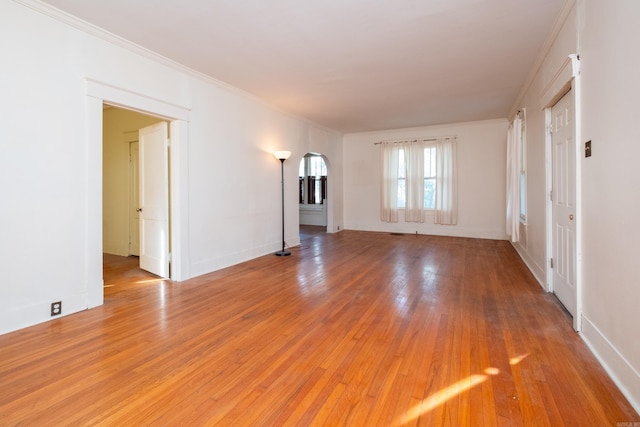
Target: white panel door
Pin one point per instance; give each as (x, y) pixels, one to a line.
(564, 202)
(154, 199)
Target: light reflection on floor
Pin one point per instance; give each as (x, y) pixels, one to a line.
(447, 393)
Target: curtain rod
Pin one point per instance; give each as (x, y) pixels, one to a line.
(404, 141)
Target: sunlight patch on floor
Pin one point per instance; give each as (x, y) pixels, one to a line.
(518, 359)
(442, 396)
(142, 282)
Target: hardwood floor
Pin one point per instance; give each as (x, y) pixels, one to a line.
(354, 328)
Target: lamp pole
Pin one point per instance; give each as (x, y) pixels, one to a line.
(282, 156)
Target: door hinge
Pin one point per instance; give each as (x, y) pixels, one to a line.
(551, 262)
(551, 195)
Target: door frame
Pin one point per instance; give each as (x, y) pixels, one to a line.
(566, 79)
(98, 93)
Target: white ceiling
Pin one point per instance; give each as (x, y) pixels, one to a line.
(351, 65)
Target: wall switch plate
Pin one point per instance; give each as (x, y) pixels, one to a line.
(587, 149)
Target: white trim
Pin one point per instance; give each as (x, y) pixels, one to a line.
(228, 259)
(566, 78)
(131, 100)
(429, 229)
(93, 216)
(577, 102)
(537, 272)
(621, 372)
(179, 199)
(97, 94)
(559, 83)
(15, 317)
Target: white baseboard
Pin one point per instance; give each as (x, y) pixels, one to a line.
(430, 229)
(538, 273)
(227, 260)
(15, 318)
(623, 374)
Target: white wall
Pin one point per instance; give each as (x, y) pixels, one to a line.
(230, 203)
(481, 161)
(607, 37)
(120, 127)
(610, 42)
(313, 215)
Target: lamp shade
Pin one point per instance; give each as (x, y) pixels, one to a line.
(281, 155)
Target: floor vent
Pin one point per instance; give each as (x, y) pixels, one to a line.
(397, 234)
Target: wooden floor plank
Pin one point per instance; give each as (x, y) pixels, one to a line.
(354, 328)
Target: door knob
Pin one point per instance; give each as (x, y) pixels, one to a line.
(571, 217)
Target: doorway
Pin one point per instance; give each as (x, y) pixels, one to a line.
(98, 94)
(312, 191)
(125, 170)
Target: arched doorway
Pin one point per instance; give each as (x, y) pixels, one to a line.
(312, 192)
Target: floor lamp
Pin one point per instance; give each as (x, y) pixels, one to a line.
(282, 156)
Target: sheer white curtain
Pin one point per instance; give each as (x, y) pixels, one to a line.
(514, 156)
(414, 163)
(446, 197)
(389, 188)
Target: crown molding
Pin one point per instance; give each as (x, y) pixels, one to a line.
(565, 11)
(94, 30)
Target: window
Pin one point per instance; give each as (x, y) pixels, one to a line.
(312, 180)
(429, 178)
(419, 175)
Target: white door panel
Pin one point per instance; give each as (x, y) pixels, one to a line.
(154, 199)
(564, 202)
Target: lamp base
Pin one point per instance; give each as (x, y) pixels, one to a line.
(283, 253)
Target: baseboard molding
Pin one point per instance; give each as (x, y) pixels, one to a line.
(534, 268)
(16, 318)
(430, 229)
(227, 260)
(623, 374)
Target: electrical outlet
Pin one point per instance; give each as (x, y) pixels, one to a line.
(56, 308)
